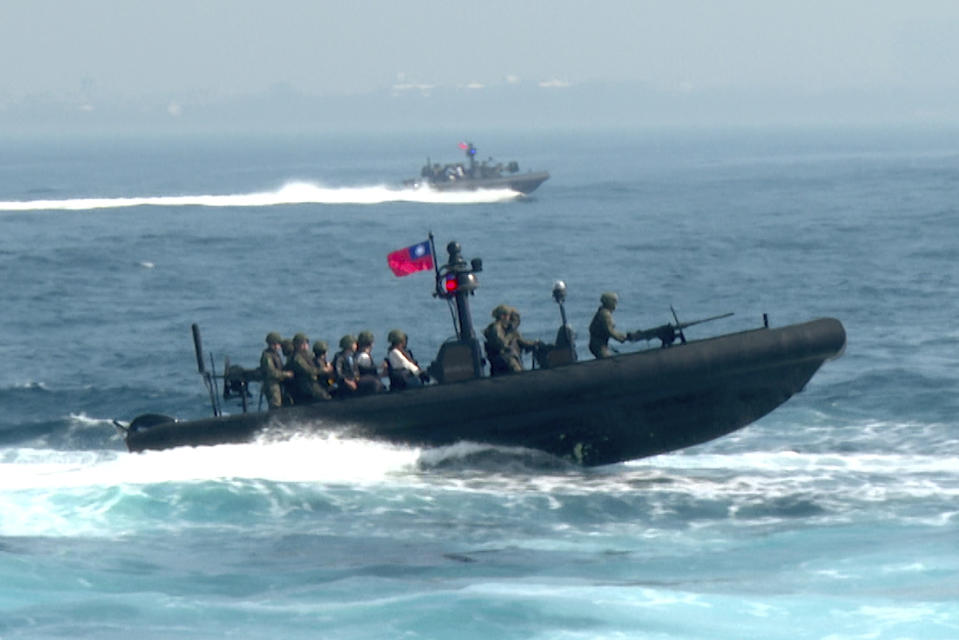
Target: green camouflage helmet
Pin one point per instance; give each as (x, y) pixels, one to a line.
(273, 338)
(347, 341)
(365, 338)
(319, 347)
(500, 311)
(299, 339)
(396, 337)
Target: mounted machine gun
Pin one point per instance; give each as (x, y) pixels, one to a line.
(668, 333)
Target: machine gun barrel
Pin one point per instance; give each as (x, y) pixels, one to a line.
(683, 325)
(667, 333)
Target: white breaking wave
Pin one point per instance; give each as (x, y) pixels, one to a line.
(83, 420)
(70, 493)
(290, 193)
(324, 458)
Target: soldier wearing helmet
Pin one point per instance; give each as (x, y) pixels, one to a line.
(501, 358)
(602, 327)
(326, 369)
(396, 337)
(271, 368)
(287, 347)
(344, 366)
(306, 386)
(401, 366)
(517, 343)
(368, 375)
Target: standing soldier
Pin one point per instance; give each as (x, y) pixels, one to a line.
(271, 368)
(517, 343)
(602, 328)
(501, 357)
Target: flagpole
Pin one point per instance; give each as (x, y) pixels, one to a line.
(436, 262)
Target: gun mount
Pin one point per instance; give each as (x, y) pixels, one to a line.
(667, 333)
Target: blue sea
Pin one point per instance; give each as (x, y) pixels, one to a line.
(834, 517)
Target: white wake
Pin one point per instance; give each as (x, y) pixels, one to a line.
(289, 193)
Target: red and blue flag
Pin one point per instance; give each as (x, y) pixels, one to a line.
(411, 259)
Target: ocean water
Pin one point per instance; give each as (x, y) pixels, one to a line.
(836, 516)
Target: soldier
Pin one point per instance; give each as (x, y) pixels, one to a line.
(501, 358)
(403, 370)
(326, 369)
(517, 343)
(344, 366)
(368, 375)
(287, 347)
(306, 385)
(288, 352)
(602, 328)
(271, 368)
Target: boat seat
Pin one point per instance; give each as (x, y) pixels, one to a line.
(453, 363)
(558, 356)
(563, 352)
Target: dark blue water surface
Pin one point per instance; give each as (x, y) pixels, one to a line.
(833, 517)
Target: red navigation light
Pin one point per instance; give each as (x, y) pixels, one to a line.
(450, 284)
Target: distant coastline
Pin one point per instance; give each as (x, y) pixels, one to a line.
(506, 107)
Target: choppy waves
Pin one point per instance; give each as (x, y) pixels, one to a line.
(290, 193)
(274, 483)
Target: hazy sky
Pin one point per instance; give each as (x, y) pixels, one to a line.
(221, 47)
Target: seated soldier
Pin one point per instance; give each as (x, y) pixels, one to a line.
(344, 367)
(368, 375)
(288, 352)
(403, 370)
(326, 377)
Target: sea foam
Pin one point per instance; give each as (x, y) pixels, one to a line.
(289, 193)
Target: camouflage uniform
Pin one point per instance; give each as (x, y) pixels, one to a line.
(515, 340)
(319, 359)
(501, 358)
(271, 368)
(602, 327)
(306, 386)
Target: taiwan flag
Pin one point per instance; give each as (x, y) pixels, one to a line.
(411, 259)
